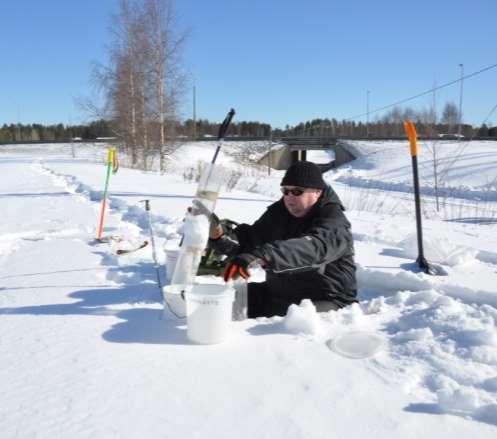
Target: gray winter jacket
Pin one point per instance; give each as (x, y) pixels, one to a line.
(310, 257)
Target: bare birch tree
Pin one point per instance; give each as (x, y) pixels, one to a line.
(167, 80)
(143, 81)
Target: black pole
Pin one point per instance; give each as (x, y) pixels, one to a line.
(220, 136)
(222, 131)
(421, 261)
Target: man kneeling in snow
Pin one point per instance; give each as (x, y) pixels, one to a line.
(303, 242)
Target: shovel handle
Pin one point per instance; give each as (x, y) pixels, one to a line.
(413, 137)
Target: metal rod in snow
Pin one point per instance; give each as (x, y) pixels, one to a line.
(152, 240)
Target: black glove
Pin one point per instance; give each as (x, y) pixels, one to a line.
(239, 266)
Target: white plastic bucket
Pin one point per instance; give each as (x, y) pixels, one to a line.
(172, 255)
(209, 312)
(174, 301)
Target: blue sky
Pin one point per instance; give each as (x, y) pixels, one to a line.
(278, 61)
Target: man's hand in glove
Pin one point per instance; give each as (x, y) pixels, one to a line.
(215, 228)
(239, 266)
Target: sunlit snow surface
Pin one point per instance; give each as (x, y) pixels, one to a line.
(87, 352)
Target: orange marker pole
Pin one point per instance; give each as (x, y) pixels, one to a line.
(413, 137)
(110, 162)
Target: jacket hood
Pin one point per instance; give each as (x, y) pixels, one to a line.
(329, 196)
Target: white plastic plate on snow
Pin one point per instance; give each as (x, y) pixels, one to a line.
(356, 344)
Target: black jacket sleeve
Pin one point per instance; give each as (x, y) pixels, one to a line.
(327, 239)
(244, 238)
(227, 244)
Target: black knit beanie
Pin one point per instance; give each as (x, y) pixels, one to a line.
(304, 174)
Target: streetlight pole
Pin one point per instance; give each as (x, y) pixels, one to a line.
(460, 100)
(367, 112)
(194, 132)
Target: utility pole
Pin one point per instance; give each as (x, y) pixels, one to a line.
(460, 100)
(194, 132)
(433, 133)
(434, 104)
(73, 150)
(269, 152)
(367, 111)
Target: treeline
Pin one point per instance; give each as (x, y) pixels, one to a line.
(334, 128)
(204, 128)
(37, 132)
(391, 124)
(428, 124)
(102, 128)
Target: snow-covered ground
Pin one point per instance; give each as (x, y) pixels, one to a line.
(85, 352)
(464, 169)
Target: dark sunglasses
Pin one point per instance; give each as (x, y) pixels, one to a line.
(295, 191)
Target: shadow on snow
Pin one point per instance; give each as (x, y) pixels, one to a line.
(143, 321)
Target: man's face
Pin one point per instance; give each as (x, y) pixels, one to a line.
(299, 200)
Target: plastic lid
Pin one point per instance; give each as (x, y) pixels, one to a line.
(356, 344)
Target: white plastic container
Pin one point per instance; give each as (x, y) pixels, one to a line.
(171, 259)
(174, 301)
(209, 310)
(211, 180)
(186, 267)
(196, 234)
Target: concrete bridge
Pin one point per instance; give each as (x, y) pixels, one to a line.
(295, 149)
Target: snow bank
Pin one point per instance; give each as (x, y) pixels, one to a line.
(452, 346)
(386, 282)
(438, 249)
(302, 319)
